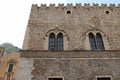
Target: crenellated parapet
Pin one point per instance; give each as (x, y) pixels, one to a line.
(77, 5)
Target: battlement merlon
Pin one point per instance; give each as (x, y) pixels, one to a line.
(77, 5)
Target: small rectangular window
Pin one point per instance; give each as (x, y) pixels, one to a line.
(10, 67)
(55, 79)
(103, 78)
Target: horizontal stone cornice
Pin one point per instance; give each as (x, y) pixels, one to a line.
(69, 54)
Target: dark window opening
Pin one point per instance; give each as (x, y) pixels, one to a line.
(60, 41)
(107, 12)
(92, 42)
(68, 12)
(99, 41)
(56, 42)
(52, 42)
(104, 78)
(10, 68)
(55, 79)
(96, 42)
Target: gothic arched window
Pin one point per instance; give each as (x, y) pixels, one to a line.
(99, 41)
(96, 42)
(52, 41)
(92, 41)
(55, 42)
(60, 41)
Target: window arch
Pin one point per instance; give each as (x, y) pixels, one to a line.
(99, 41)
(10, 69)
(60, 37)
(52, 41)
(55, 42)
(96, 41)
(60, 41)
(92, 41)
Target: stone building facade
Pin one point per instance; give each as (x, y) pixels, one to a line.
(71, 43)
(9, 66)
(1, 52)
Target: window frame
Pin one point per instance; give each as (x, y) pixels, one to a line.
(106, 76)
(56, 43)
(92, 41)
(51, 41)
(56, 30)
(10, 73)
(9, 69)
(56, 77)
(96, 41)
(99, 43)
(59, 42)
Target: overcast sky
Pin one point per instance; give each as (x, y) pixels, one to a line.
(14, 16)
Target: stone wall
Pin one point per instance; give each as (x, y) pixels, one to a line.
(69, 65)
(68, 68)
(75, 69)
(82, 20)
(4, 64)
(25, 69)
(76, 61)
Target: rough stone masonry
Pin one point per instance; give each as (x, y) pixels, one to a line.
(76, 61)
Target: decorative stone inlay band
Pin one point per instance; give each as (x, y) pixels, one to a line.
(69, 54)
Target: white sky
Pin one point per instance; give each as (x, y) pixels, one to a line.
(14, 16)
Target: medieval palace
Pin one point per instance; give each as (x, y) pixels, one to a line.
(71, 42)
